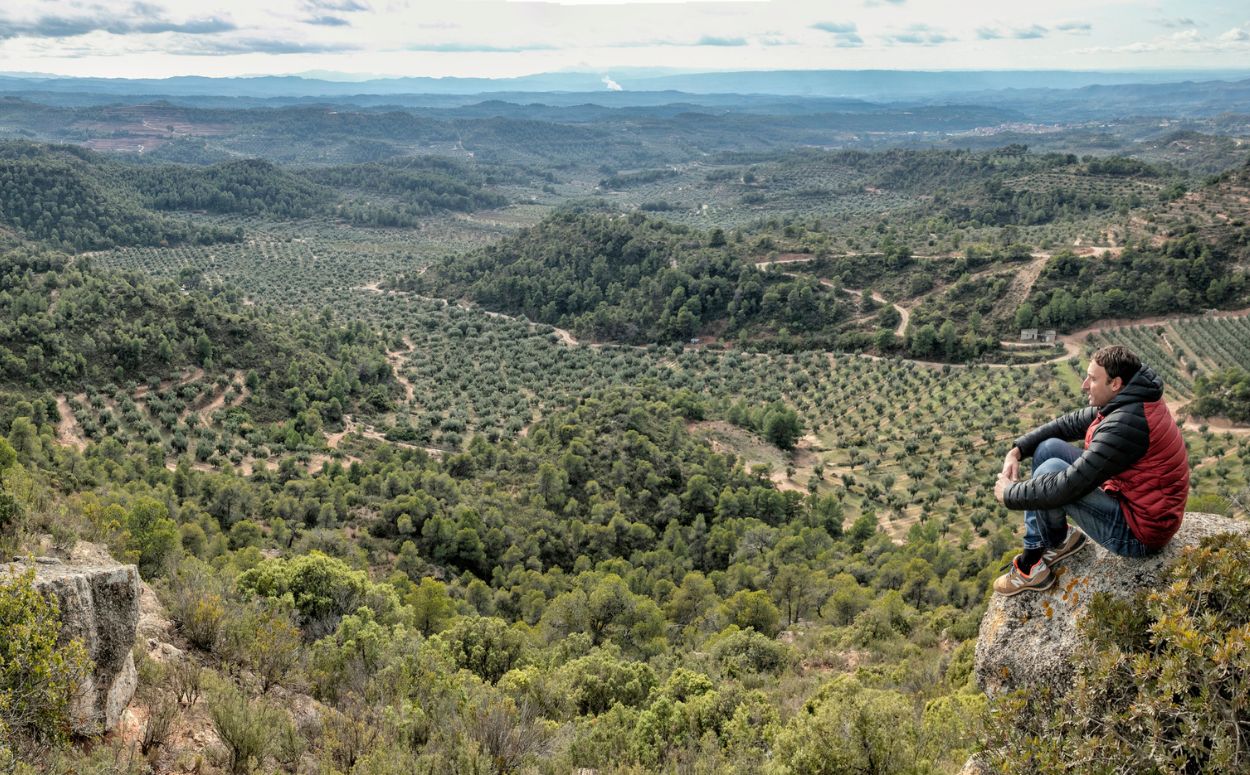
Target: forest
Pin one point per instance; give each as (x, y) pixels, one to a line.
(633, 280)
(487, 437)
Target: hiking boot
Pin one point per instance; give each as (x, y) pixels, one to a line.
(1071, 545)
(1016, 581)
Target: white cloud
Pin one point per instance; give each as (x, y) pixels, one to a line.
(512, 37)
(1189, 41)
(918, 35)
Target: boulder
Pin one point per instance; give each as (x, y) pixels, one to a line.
(99, 602)
(1028, 640)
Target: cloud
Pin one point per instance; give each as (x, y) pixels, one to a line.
(341, 6)
(206, 47)
(1074, 26)
(328, 21)
(471, 48)
(845, 34)
(918, 35)
(711, 40)
(1032, 32)
(1175, 23)
(73, 26)
(1188, 41)
(611, 84)
(837, 28)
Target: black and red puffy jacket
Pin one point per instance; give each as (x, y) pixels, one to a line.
(1133, 450)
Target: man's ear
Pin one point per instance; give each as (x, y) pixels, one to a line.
(1116, 384)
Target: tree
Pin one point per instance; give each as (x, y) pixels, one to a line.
(752, 608)
(484, 645)
(153, 536)
(782, 426)
(8, 455)
(432, 607)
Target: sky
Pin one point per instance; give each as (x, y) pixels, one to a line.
(504, 38)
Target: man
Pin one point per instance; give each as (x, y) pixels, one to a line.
(1126, 489)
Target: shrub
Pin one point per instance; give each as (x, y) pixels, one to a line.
(602, 679)
(846, 727)
(38, 676)
(1161, 680)
(246, 727)
(741, 652)
(484, 645)
(322, 588)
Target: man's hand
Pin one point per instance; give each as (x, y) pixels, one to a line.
(1001, 486)
(1011, 465)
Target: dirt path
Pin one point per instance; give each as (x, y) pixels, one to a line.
(1214, 424)
(1022, 284)
(904, 312)
(565, 337)
(191, 376)
(350, 426)
(396, 359)
(218, 400)
(68, 434)
(1097, 327)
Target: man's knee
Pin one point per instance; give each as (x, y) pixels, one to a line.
(1051, 448)
(1050, 466)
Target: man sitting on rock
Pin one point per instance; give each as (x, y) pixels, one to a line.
(1126, 489)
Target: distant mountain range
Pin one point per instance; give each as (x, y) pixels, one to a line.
(860, 84)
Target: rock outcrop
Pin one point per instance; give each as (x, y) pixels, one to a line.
(1028, 640)
(99, 602)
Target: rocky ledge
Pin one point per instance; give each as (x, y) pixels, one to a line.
(99, 602)
(1027, 640)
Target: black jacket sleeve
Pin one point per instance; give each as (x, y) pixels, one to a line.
(1120, 440)
(1069, 427)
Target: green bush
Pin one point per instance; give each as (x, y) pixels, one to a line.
(322, 588)
(845, 728)
(741, 652)
(38, 676)
(246, 727)
(602, 679)
(1161, 682)
(484, 645)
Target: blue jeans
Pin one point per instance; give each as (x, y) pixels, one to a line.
(1098, 514)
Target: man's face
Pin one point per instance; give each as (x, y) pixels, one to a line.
(1098, 386)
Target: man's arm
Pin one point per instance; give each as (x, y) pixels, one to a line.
(1119, 442)
(1069, 427)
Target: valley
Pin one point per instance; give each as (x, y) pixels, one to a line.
(484, 435)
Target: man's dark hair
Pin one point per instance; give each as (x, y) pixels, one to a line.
(1118, 360)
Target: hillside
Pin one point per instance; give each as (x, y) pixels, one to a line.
(636, 280)
(410, 442)
(142, 363)
(72, 198)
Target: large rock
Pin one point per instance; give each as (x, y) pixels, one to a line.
(1028, 640)
(99, 601)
